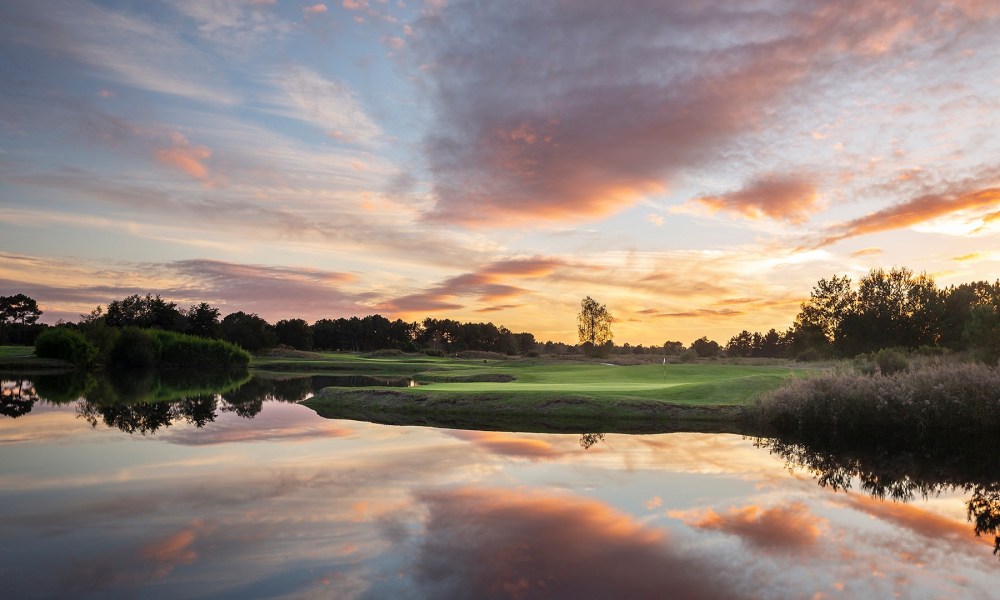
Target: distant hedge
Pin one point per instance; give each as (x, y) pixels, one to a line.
(170, 350)
(65, 344)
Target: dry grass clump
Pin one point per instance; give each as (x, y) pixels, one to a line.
(915, 402)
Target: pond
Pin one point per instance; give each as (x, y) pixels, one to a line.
(247, 494)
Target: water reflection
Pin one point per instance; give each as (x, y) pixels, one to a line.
(17, 397)
(884, 468)
(143, 402)
(332, 508)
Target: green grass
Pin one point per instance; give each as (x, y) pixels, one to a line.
(16, 351)
(22, 358)
(528, 390)
(343, 362)
(686, 384)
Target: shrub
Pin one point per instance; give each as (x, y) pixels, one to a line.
(135, 348)
(532, 354)
(891, 361)
(913, 403)
(809, 355)
(147, 348)
(65, 344)
(384, 353)
(433, 352)
(688, 356)
(179, 350)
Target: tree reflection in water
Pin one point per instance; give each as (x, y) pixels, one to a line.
(17, 397)
(143, 402)
(903, 470)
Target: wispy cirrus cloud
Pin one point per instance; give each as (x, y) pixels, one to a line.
(326, 103)
(486, 285)
(118, 46)
(68, 288)
(236, 25)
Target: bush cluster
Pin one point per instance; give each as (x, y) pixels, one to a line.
(146, 348)
(65, 344)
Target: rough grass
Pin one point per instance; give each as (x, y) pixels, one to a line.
(912, 403)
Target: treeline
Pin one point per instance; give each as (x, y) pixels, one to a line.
(254, 333)
(885, 309)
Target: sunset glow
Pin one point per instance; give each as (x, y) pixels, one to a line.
(695, 166)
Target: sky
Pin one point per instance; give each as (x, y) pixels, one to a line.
(696, 167)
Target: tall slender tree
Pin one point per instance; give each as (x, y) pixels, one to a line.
(594, 324)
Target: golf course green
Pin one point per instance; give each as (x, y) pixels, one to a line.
(522, 391)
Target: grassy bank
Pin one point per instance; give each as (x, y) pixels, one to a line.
(23, 359)
(576, 396)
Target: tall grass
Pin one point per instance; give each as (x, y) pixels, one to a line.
(920, 402)
(165, 349)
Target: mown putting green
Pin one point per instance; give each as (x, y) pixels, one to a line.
(528, 389)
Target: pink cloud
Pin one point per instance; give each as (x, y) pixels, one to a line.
(180, 154)
(315, 9)
(485, 285)
(485, 543)
(554, 115)
(779, 197)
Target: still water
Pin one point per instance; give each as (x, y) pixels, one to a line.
(246, 494)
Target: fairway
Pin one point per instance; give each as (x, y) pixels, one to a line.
(704, 384)
(526, 390)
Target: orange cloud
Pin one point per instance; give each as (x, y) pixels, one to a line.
(867, 252)
(917, 211)
(788, 527)
(931, 526)
(701, 312)
(509, 445)
(174, 550)
(185, 157)
(780, 197)
(484, 543)
(968, 257)
(315, 9)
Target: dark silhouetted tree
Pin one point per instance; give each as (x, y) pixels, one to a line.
(203, 321)
(248, 331)
(294, 333)
(18, 317)
(706, 348)
(145, 312)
